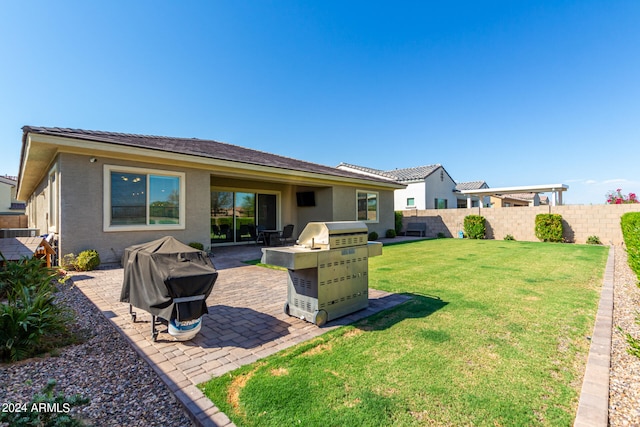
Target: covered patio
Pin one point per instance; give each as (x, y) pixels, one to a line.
(555, 189)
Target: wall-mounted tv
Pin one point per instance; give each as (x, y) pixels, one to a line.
(306, 198)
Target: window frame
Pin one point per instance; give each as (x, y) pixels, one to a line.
(377, 197)
(106, 191)
(54, 205)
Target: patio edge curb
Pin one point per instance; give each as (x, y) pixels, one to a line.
(593, 407)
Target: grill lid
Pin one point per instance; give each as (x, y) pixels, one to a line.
(333, 235)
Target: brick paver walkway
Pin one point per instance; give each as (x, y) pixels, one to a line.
(245, 323)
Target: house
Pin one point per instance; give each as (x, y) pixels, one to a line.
(465, 201)
(427, 187)
(9, 205)
(107, 191)
(518, 199)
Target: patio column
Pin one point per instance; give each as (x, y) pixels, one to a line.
(469, 203)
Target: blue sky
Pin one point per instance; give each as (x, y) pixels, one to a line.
(510, 92)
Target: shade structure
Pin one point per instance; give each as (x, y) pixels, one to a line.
(168, 279)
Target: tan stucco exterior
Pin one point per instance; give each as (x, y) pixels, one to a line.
(67, 197)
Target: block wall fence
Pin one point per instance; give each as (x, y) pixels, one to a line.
(13, 221)
(579, 221)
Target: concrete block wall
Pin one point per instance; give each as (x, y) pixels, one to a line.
(13, 221)
(579, 221)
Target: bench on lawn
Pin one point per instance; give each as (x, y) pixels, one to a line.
(416, 227)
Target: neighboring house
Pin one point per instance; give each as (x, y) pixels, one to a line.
(427, 187)
(465, 201)
(107, 191)
(518, 199)
(9, 205)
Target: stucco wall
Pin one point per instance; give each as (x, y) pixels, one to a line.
(81, 209)
(579, 221)
(440, 188)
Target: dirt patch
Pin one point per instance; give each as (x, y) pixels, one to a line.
(279, 372)
(353, 333)
(322, 348)
(236, 386)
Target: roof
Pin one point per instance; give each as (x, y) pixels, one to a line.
(515, 190)
(14, 248)
(201, 148)
(412, 174)
(400, 175)
(472, 185)
(10, 180)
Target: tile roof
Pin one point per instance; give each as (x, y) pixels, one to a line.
(411, 174)
(201, 148)
(406, 174)
(471, 185)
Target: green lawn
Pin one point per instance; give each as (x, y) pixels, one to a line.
(495, 334)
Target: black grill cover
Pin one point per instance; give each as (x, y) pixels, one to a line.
(157, 272)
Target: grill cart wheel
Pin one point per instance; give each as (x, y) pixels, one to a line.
(320, 317)
(286, 308)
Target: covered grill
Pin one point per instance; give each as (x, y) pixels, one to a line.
(171, 281)
(328, 270)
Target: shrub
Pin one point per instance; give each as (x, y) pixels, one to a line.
(68, 261)
(441, 235)
(87, 260)
(474, 226)
(509, 237)
(373, 236)
(58, 418)
(617, 198)
(593, 240)
(197, 245)
(549, 227)
(390, 234)
(398, 222)
(29, 272)
(630, 224)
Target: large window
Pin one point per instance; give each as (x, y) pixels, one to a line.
(143, 199)
(367, 206)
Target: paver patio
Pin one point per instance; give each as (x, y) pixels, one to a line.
(246, 322)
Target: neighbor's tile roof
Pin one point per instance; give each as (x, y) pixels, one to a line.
(198, 147)
(411, 174)
(472, 185)
(406, 174)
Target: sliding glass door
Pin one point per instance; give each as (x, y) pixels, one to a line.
(236, 215)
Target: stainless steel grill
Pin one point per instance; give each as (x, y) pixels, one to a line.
(328, 270)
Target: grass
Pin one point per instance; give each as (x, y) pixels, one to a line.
(495, 334)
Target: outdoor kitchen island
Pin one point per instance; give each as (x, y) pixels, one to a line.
(328, 270)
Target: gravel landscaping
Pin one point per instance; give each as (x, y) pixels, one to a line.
(125, 391)
(624, 380)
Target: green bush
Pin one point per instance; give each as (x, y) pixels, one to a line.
(509, 237)
(28, 272)
(60, 418)
(390, 234)
(630, 224)
(474, 226)
(593, 240)
(197, 245)
(373, 236)
(28, 318)
(398, 222)
(441, 235)
(549, 227)
(87, 260)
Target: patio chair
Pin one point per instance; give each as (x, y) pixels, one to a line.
(284, 237)
(259, 236)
